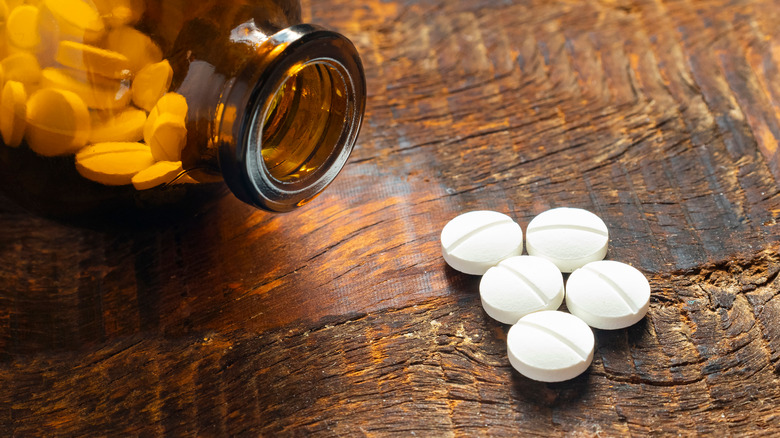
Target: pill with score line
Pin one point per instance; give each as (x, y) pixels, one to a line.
(608, 295)
(473, 242)
(521, 285)
(568, 237)
(550, 346)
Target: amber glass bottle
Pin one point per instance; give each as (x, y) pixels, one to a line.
(108, 104)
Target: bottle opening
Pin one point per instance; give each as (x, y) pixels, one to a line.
(304, 121)
(304, 99)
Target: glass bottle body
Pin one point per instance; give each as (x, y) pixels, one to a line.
(149, 102)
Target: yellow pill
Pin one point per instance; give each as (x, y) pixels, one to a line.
(104, 95)
(124, 126)
(22, 67)
(135, 45)
(58, 122)
(170, 103)
(21, 27)
(94, 80)
(168, 138)
(13, 113)
(161, 172)
(77, 20)
(93, 60)
(4, 12)
(13, 4)
(118, 13)
(151, 83)
(113, 164)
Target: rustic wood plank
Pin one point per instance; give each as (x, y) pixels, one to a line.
(341, 317)
(705, 360)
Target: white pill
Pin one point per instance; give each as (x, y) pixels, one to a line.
(568, 237)
(475, 241)
(521, 285)
(608, 295)
(550, 346)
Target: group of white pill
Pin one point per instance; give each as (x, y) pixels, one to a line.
(525, 290)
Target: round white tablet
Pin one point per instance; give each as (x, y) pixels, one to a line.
(550, 346)
(521, 285)
(475, 241)
(568, 237)
(608, 295)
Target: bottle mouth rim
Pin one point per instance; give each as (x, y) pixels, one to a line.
(281, 57)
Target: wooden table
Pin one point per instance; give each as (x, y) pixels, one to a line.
(341, 318)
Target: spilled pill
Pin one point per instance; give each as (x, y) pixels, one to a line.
(550, 346)
(524, 290)
(608, 294)
(521, 285)
(473, 242)
(568, 237)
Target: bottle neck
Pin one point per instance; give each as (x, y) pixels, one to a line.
(287, 122)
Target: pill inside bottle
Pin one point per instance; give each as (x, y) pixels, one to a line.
(134, 97)
(79, 81)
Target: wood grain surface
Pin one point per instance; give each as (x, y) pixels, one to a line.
(341, 318)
